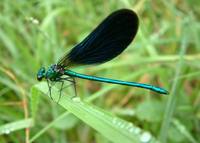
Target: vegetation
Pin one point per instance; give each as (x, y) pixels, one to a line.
(165, 52)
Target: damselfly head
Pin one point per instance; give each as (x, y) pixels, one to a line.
(41, 74)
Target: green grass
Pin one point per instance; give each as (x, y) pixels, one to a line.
(165, 52)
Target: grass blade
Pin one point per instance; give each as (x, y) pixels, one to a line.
(14, 126)
(110, 126)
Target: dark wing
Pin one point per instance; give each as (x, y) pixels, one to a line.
(106, 41)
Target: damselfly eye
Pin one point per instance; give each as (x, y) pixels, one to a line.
(41, 74)
(39, 78)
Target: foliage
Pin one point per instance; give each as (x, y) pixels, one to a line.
(164, 53)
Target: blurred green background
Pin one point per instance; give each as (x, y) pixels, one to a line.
(165, 52)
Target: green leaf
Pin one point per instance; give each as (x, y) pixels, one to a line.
(175, 135)
(150, 110)
(13, 126)
(113, 128)
(184, 131)
(34, 101)
(101, 139)
(66, 123)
